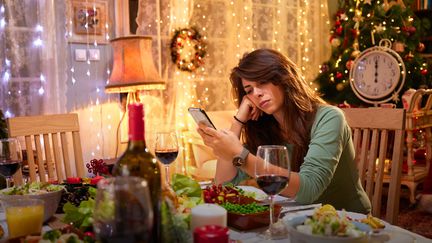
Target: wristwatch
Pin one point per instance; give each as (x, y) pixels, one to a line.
(240, 159)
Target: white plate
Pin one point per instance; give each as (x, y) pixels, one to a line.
(260, 195)
(389, 234)
(352, 215)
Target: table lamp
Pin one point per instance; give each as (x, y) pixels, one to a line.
(133, 70)
(133, 67)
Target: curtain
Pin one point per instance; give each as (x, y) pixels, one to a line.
(30, 67)
(39, 73)
(299, 29)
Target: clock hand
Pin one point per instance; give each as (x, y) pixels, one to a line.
(376, 71)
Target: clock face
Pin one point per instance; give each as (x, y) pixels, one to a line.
(376, 74)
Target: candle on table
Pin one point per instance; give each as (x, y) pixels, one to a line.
(211, 234)
(208, 214)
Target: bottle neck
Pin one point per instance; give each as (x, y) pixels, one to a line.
(137, 144)
(136, 126)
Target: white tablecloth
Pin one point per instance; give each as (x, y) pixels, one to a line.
(396, 234)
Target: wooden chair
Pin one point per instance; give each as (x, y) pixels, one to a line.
(199, 157)
(418, 116)
(49, 136)
(378, 136)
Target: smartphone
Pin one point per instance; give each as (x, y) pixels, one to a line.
(199, 115)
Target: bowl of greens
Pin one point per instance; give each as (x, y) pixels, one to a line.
(49, 193)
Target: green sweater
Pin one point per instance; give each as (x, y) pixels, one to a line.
(329, 173)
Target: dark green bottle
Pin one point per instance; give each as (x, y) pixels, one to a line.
(138, 161)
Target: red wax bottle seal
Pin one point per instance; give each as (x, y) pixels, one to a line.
(211, 234)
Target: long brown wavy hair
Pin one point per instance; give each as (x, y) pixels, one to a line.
(300, 102)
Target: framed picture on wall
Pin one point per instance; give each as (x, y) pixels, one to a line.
(88, 21)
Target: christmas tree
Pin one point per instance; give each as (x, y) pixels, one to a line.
(361, 24)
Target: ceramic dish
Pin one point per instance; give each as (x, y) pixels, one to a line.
(252, 220)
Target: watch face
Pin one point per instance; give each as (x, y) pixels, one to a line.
(237, 161)
(376, 74)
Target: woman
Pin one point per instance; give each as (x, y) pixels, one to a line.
(276, 106)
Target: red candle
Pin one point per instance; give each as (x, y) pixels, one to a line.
(73, 180)
(211, 234)
(95, 180)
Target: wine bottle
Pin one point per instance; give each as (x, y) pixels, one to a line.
(138, 161)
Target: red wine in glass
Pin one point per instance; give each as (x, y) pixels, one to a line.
(166, 150)
(272, 176)
(9, 167)
(10, 158)
(166, 157)
(272, 184)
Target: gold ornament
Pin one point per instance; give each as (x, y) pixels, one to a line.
(398, 47)
(421, 47)
(355, 53)
(335, 42)
(395, 97)
(340, 87)
(408, 57)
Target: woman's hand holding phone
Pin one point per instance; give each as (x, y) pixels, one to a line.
(225, 144)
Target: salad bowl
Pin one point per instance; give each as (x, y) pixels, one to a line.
(50, 194)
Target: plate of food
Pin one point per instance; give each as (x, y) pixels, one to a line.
(326, 224)
(245, 212)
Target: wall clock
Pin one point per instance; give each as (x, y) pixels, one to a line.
(378, 74)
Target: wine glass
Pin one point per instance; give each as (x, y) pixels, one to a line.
(272, 176)
(10, 158)
(123, 210)
(166, 150)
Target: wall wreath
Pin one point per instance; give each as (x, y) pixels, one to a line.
(188, 49)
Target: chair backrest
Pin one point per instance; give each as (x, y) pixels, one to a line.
(378, 136)
(49, 136)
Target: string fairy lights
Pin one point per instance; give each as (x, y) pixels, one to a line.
(11, 83)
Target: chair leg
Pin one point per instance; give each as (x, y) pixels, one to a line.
(412, 187)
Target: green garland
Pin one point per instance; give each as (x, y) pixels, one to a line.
(188, 49)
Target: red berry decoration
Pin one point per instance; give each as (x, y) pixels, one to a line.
(97, 167)
(325, 68)
(349, 64)
(424, 71)
(339, 30)
(339, 75)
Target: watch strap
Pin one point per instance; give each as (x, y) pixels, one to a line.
(240, 159)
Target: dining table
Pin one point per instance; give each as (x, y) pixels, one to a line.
(395, 234)
(289, 210)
